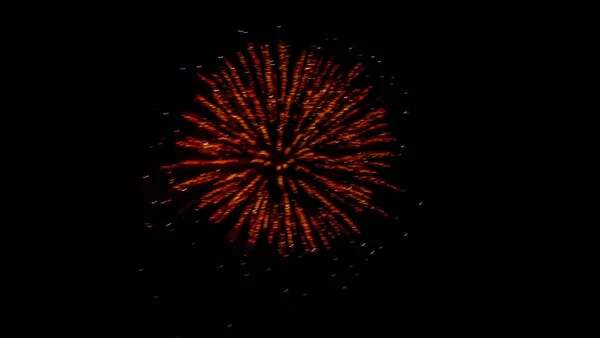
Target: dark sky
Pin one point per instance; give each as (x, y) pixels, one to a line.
(177, 287)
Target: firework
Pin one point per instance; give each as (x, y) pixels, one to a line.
(287, 148)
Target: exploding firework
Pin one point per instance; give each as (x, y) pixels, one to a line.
(288, 148)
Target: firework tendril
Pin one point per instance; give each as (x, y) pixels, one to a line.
(281, 133)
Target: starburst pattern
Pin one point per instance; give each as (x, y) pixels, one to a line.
(290, 148)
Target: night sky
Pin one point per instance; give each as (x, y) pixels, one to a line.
(183, 279)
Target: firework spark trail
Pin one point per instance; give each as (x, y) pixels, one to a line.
(260, 101)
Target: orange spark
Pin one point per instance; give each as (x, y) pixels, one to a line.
(297, 126)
